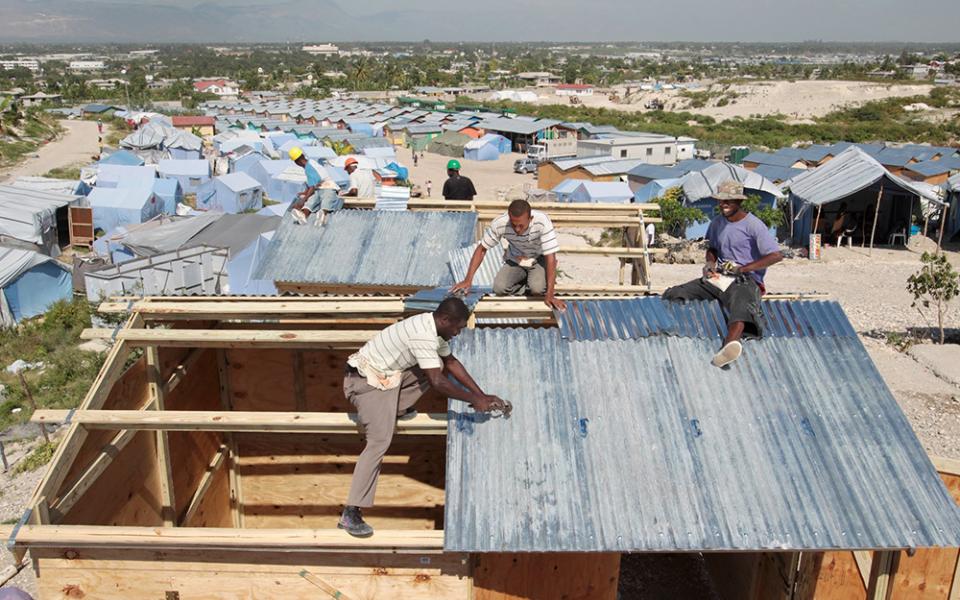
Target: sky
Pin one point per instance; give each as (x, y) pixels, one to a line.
(486, 20)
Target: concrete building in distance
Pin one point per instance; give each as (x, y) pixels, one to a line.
(86, 66)
(224, 88)
(41, 98)
(202, 124)
(539, 78)
(321, 49)
(10, 64)
(651, 148)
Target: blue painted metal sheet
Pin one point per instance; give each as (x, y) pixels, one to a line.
(430, 299)
(377, 248)
(641, 445)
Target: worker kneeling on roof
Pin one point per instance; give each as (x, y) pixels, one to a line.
(530, 261)
(387, 377)
(319, 195)
(739, 250)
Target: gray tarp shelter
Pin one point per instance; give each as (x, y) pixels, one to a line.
(878, 202)
(168, 237)
(36, 218)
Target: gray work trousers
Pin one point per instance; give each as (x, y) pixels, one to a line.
(377, 411)
(514, 280)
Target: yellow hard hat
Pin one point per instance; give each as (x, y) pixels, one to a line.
(295, 153)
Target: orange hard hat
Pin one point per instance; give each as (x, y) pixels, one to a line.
(350, 161)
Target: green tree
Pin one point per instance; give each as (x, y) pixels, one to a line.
(934, 286)
(675, 217)
(770, 215)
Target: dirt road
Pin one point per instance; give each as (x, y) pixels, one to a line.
(76, 146)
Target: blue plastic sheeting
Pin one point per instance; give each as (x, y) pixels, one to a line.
(275, 210)
(320, 154)
(241, 266)
(376, 248)
(233, 193)
(642, 446)
(169, 193)
(637, 318)
(618, 192)
(192, 174)
(653, 190)
(32, 293)
(488, 147)
(111, 176)
(428, 300)
(123, 157)
(113, 207)
(185, 154)
(246, 163)
(563, 189)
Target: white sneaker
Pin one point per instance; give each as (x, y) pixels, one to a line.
(298, 216)
(727, 354)
(321, 219)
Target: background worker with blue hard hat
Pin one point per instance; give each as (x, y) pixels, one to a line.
(457, 187)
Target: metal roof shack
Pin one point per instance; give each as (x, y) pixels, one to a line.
(622, 439)
(367, 251)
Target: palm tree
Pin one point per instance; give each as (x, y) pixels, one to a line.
(360, 72)
(339, 147)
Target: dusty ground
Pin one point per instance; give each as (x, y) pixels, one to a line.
(796, 99)
(76, 146)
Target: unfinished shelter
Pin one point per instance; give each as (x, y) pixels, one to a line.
(215, 465)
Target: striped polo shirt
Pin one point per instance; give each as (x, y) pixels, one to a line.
(403, 345)
(540, 238)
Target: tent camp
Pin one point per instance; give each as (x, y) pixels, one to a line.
(146, 138)
(241, 266)
(563, 189)
(113, 207)
(602, 191)
(29, 283)
(320, 154)
(35, 219)
(191, 174)
(699, 188)
(111, 176)
(878, 203)
(233, 193)
(69, 187)
(488, 147)
(449, 143)
(184, 145)
(655, 189)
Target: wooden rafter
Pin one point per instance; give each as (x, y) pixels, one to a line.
(237, 338)
(219, 459)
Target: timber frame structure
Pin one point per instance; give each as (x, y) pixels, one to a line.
(211, 456)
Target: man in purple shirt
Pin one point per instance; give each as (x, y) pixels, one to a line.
(740, 248)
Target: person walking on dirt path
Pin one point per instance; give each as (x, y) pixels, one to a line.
(740, 249)
(429, 188)
(457, 187)
(530, 261)
(99, 126)
(384, 380)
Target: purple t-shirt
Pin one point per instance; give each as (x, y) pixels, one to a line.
(742, 242)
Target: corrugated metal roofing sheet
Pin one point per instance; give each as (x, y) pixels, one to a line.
(368, 248)
(459, 261)
(640, 445)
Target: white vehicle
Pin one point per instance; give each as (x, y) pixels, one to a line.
(548, 149)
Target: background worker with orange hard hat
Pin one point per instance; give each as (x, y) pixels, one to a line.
(362, 184)
(305, 203)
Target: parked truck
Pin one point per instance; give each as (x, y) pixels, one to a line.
(548, 149)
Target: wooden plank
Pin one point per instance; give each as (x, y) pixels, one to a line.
(313, 540)
(506, 576)
(610, 251)
(502, 205)
(299, 383)
(949, 466)
(235, 421)
(226, 403)
(332, 591)
(205, 482)
(233, 338)
(864, 562)
(163, 441)
(829, 576)
(181, 371)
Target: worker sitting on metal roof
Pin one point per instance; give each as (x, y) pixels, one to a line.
(307, 201)
(740, 248)
(387, 376)
(530, 261)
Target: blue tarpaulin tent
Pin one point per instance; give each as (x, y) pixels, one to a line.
(29, 283)
(122, 206)
(565, 188)
(233, 193)
(110, 176)
(488, 147)
(321, 154)
(191, 174)
(168, 192)
(241, 266)
(655, 189)
(602, 191)
(122, 157)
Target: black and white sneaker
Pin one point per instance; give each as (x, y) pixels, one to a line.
(352, 522)
(299, 216)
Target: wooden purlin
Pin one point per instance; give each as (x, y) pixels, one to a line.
(237, 338)
(234, 421)
(158, 395)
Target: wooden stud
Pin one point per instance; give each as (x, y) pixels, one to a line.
(864, 564)
(181, 371)
(876, 217)
(299, 382)
(943, 223)
(218, 460)
(233, 475)
(882, 570)
(157, 394)
(234, 421)
(631, 252)
(323, 585)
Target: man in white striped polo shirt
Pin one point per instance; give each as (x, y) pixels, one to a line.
(530, 261)
(387, 377)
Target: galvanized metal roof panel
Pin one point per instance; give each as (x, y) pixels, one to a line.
(640, 445)
(368, 248)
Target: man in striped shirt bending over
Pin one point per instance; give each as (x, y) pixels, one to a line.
(387, 377)
(530, 261)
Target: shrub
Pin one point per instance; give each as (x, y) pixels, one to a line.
(40, 456)
(772, 216)
(675, 216)
(934, 286)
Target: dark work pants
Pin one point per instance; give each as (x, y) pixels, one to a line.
(741, 301)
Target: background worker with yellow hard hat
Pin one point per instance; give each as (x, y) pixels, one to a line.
(303, 207)
(362, 184)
